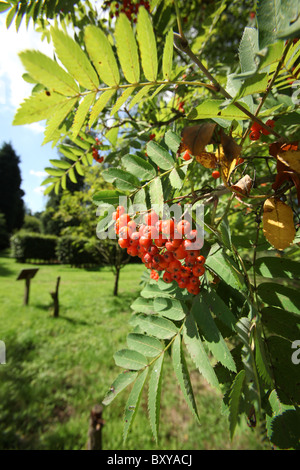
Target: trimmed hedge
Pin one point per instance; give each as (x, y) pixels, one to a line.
(28, 246)
(77, 252)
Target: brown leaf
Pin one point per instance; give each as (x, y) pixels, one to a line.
(243, 186)
(227, 155)
(291, 159)
(226, 165)
(207, 159)
(196, 138)
(231, 149)
(278, 223)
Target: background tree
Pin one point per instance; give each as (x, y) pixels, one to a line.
(11, 194)
(77, 213)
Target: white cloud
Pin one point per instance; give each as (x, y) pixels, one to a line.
(15, 89)
(39, 174)
(39, 189)
(35, 127)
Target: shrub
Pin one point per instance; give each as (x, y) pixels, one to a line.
(77, 252)
(27, 246)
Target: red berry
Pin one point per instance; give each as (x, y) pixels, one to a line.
(123, 242)
(256, 127)
(151, 218)
(254, 135)
(215, 174)
(186, 155)
(269, 123)
(183, 227)
(175, 266)
(180, 253)
(198, 270)
(167, 277)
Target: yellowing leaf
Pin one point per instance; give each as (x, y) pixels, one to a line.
(278, 223)
(207, 159)
(226, 164)
(291, 158)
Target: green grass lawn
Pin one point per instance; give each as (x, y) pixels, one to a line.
(57, 369)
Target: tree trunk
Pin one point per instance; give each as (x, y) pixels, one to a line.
(117, 275)
(95, 429)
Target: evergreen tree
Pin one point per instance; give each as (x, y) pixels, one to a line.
(11, 194)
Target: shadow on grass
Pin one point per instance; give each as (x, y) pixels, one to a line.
(4, 270)
(27, 407)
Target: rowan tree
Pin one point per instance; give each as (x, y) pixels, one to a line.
(154, 80)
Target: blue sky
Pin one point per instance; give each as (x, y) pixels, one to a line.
(26, 140)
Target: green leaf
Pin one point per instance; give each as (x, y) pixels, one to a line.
(143, 305)
(129, 359)
(100, 104)
(146, 345)
(147, 44)
(157, 326)
(256, 84)
(4, 6)
(182, 374)
(107, 196)
(197, 351)
(122, 99)
(172, 140)
(221, 265)
(139, 167)
(61, 164)
(139, 95)
(248, 50)
(234, 400)
(154, 395)
(81, 113)
(277, 267)
(281, 322)
(156, 195)
(160, 156)
(61, 112)
(37, 108)
(281, 296)
(170, 308)
(46, 71)
(127, 49)
(74, 59)
(218, 308)
(151, 291)
(133, 402)
(213, 338)
(119, 384)
(121, 179)
(168, 56)
(211, 109)
(54, 171)
(102, 55)
(176, 178)
(261, 359)
(273, 17)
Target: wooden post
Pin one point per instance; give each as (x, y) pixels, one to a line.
(54, 296)
(27, 274)
(95, 429)
(27, 289)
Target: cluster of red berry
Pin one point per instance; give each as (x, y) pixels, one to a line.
(164, 246)
(128, 7)
(257, 129)
(95, 151)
